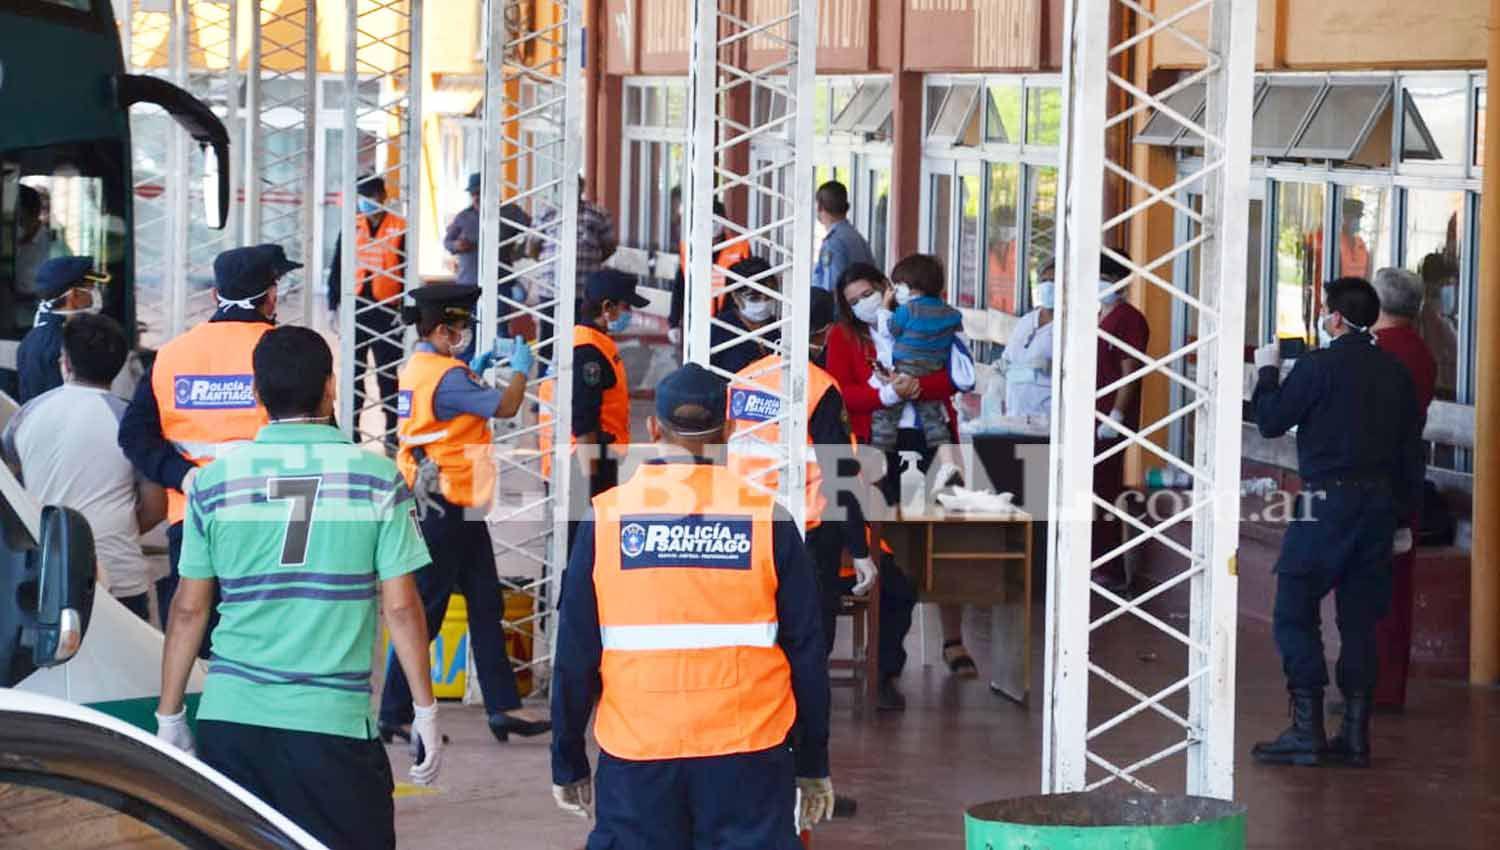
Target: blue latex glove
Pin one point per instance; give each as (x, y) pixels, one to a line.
(521, 356)
(483, 362)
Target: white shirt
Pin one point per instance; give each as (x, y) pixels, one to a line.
(1027, 363)
(66, 442)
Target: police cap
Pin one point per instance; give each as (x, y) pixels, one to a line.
(372, 186)
(612, 285)
(60, 274)
(448, 302)
(474, 183)
(242, 273)
(691, 400)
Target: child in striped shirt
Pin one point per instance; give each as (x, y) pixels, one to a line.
(919, 335)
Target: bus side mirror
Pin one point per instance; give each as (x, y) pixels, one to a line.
(199, 120)
(65, 586)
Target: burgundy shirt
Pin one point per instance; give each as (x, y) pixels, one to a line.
(1128, 325)
(1405, 344)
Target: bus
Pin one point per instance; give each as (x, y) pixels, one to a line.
(65, 155)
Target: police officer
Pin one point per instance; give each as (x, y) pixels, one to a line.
(65, 285)
(746, 311)
(380, 269)
(445, 442)
(725, 257)
(197, 402)
(601, 390)
(689, 616)
(1359, 454)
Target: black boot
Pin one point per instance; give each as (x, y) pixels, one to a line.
(1304, 741)
(1351, 747)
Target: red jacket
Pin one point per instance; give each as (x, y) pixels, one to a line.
(851, 361)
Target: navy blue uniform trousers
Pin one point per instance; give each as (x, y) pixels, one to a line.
(898, 597)
(1343, 548)
(738, 802)
(462, 559)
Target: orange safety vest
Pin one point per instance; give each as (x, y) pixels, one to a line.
(204, 385)
(727, 257)
(459, 446)
(754, 402)
(380, 250)
(614, 413)
(686, 583)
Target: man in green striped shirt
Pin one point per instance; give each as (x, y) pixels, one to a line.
(297, 532)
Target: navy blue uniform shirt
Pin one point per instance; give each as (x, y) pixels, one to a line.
(39, 359)
(575, 674)
(1355, 411)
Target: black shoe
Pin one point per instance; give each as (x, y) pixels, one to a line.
(888, 697)
(1304, 741)
(502, 725)
(1351, 746)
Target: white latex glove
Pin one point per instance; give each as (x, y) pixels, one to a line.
(427, 742)
(425, 487)
(173, 729)
(674, 336)
(1268, 355)
(1106, 431)
(817, 802)
(575, 798)
(1403, 542)
(864, 570)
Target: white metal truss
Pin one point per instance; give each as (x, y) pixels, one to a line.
(723, 84)
(382, 84)
(1083, 669)
(533, 144)
(214, 77)
(281, 196)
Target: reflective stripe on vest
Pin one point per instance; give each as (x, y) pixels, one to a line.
(378, 251)
(459, 446)
(614, 410)
(755, 445)
(685, 578)
(203, 381)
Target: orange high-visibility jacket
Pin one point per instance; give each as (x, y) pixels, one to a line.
(727, 257)
(204, 385)
(459, 446)
(686, 583)
(379, 250)
(614, 412)
(754, 402)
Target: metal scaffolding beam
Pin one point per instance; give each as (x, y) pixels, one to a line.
(783, 36)
(1079, 750)
(213, 76)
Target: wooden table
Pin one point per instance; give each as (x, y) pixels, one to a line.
(975, 559)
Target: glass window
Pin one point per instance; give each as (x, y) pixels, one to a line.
(1479, 128)
(1000, 237)
(1041, 239)
(821, 114)
(1299, 264)
(966, 271)
(1433, 240)
(935, 94)
(880, 212)
(1364, 219)
(1003, 113)
(1279, 115)
(1252, 275)
(864, 100)
(676, 114)
(1043, 116)
(876, 119)
(45, 817)
(1343, 121)
(1163, 129)
(941, 213)
(1436, 122)
(955, 121)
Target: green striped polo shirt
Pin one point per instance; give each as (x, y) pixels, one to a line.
(298, 528)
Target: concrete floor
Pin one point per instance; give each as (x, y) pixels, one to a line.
(1435, 782)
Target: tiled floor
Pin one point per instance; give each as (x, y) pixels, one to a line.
(1435, 783)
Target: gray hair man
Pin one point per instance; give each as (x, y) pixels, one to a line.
(1401, 294)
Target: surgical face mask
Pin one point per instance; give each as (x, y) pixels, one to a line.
(1045, 294)
(1107, 298)
(96, 303)
(1325, 335)
(757, 311)
(619, 323)
(903, 293)
(465, 337)
(367, 206)
(1448, 298)
(867, 309)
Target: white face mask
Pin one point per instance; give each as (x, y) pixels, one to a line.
(903, 293)
(95, 305)
(1107, 298)
(757, 311)
(1325, 336)
(1045, 294)
(867, 309)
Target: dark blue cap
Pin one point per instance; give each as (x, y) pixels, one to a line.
(241, 273)
(474, 183)
(612, 285)
(448, 301)
(691, 400)
(60, 274)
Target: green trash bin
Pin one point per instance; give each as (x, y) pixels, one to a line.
(1105, 821)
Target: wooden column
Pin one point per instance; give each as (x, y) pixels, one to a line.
(1484, 600)
(906, 164)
